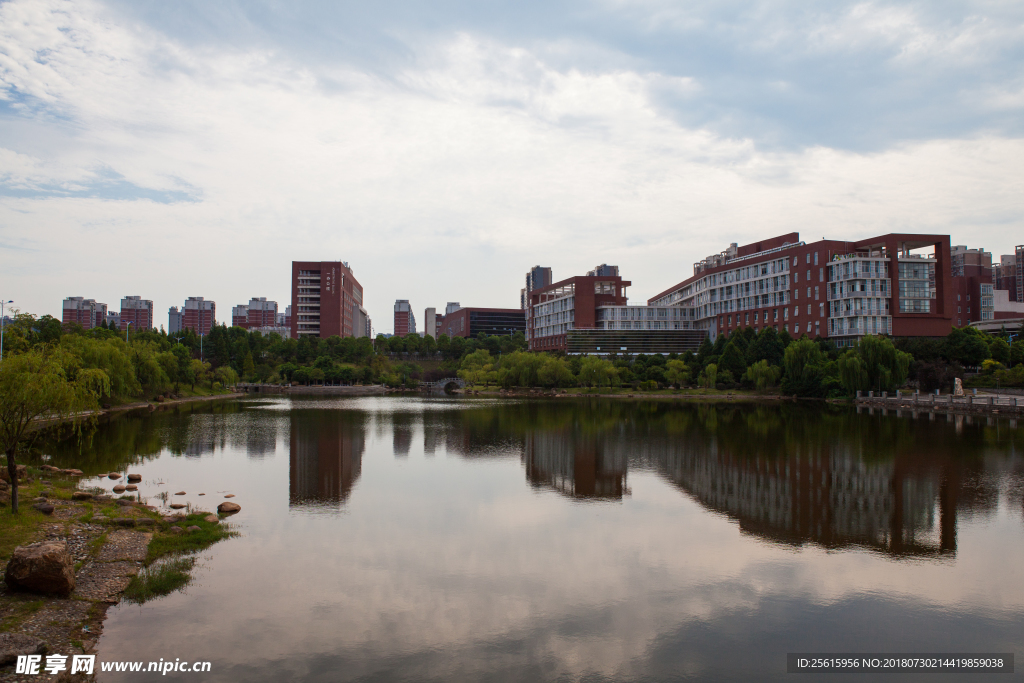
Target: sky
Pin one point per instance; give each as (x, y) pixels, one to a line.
(443, 148)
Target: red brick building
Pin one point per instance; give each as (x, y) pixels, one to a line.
(895, 284)
(469, 322)
(85, 312)
(325, 299)
(198, 315)
(405, 319)
(571, 304)
(972, 279)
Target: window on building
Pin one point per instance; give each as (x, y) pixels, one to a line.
(796, 328)
(808, 257)
(815, 258)
(795, 261)
(775, 314)
(821, 310)
(821, 274)
(815, 293)
(808, 309)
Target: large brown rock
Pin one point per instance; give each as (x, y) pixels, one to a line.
(134, 477)
(42, 568)
(228, 508)
(14, 644)
(81, 495)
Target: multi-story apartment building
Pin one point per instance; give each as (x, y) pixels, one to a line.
(261, 313)
(430, 322)
(325, 299)
(240, 316)
(539, 276)
(451, 307)
(363, 324)
(405, 320)
(85, 312)
(973, 282)
(1004, 275)
(175, 320)
(199, 315)
(114, 320)
(285, 319)
(896, 284)
(137, 312)
(469, 322)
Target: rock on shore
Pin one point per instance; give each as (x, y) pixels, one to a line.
(44, 567)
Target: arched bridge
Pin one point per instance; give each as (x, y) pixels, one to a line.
(445, 385)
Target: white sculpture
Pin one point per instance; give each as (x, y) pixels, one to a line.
(958, 387)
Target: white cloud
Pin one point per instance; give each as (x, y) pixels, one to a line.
(445, 181)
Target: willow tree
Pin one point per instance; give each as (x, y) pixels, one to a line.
(43, 386)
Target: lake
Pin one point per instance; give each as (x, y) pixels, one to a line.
(419, 539)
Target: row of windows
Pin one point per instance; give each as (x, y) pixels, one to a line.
(763, 316)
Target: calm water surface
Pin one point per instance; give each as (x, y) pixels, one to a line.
(392, 539)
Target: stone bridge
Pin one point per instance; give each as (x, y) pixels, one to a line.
(445, 385)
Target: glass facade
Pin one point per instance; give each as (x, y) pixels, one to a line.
(917, 285)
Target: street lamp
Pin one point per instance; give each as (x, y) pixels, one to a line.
(127, 329)
(2, 316)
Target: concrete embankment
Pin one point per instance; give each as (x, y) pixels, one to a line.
(968, 404)
(278, 390)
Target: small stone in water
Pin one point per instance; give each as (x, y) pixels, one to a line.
(230, 495)
(180, 493)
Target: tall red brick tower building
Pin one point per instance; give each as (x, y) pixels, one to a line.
(325, 299)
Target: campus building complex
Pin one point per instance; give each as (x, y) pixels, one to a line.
(590, 314)
(85, 312)
(469, 322)
(326, 298)
(896, 284)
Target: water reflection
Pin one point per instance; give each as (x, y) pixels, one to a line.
(325, 458)
(471, 547)
(580, 468)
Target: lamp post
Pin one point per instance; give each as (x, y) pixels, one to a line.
(3, 304)
(127, 330)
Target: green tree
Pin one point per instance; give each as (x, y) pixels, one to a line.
(766, 346)
(732, 360)
(42, 384)
(875, 364)
(1000, 351)
(1017, 352)
(709, 376)
(596, 372)
(967, 346)
(677, 373)
(762, 375)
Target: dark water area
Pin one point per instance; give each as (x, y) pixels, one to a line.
(398, 539)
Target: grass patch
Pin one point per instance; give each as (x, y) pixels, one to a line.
(160, 579)
(164, 544)
(20, 610)
(172, 557)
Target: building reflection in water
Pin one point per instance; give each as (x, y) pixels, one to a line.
(325, 457)
(577, 467)
(896, 486)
